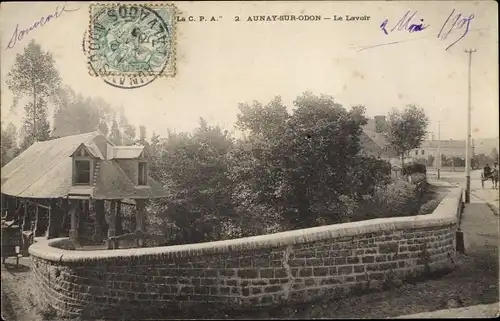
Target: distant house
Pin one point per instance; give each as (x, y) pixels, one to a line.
(374, 141)
(62, 174)
(448, 148)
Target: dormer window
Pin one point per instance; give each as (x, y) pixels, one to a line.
(82, 171)
(142, 177)
(83, 162)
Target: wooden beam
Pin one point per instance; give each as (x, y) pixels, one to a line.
(38, 204)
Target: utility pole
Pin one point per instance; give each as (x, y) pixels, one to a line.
(467, 141)
(439, 150)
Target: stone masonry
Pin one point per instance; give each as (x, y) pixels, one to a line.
(267, 270)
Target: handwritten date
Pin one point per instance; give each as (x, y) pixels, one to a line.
(457, 22)
(404, 24)
(454, 22)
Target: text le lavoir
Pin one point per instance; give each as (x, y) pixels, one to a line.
(351, 18)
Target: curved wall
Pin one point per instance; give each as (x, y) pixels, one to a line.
(293, 266)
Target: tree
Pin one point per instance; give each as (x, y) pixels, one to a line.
(7, 142)
(37, 128)
(115, 135)
(406, 129)
(75, 114)
(155, 139)
(129, 133)
(494, 155)
(103, 128)
(305, 168)
(35, 77)
(194, 165)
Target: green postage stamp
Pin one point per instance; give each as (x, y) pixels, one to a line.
(130, 45)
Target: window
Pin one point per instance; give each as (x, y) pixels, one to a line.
(423, 152)
(82, 172)
(416, 152)
(143, 173)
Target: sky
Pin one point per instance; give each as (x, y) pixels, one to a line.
(220, 64)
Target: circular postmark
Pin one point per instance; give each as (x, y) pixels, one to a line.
(128, 46)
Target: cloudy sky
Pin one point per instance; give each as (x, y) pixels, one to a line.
(220, 64)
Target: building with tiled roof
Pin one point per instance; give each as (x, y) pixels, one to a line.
(86, 167)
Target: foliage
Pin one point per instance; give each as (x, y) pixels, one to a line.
(36, 128)
(115, 134)
(194, 166)
(481, 160)
(414, 167)
(129, 134)
(453, 161)
(286, 172)
(494, 155)
(399, 198)
(8, 143)
(406, 129)
(75, 114)
(298, 166)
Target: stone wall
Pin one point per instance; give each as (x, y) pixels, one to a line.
(266, 270)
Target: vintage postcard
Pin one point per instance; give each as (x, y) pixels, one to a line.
(249, 159)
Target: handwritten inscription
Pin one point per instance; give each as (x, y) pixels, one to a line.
(19, 33)
(404, 24)
(457, 22)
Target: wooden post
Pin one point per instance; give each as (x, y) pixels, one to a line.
(73, 233)
(139, 219)
(25, 208)
(65, 215)
(112, 225)
(36, 220)
(11, 208)
(118, 226)
(139, 215)
(54, 220)
(99, 219)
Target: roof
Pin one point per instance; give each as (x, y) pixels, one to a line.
(376, 144)
(459, 144)
(127, 152)
(45, 170)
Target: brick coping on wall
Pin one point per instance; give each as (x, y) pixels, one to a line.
(444, 214)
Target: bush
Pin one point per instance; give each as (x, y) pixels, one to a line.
(399, 198)
(413, 168)
(419, 180)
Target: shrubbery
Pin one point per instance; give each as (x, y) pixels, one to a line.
(289, 171)
(413, 168)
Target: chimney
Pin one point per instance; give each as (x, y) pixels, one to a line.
(380, 123)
